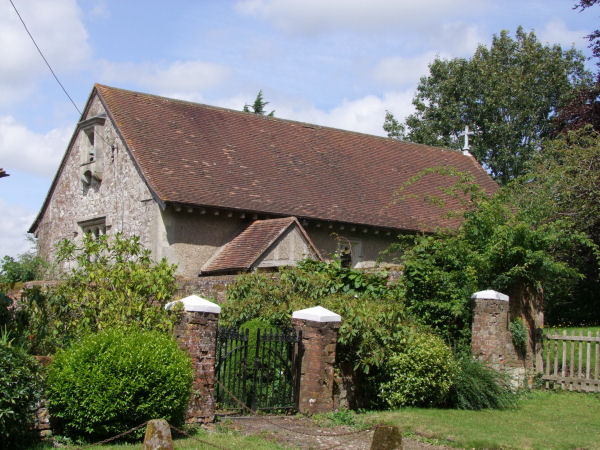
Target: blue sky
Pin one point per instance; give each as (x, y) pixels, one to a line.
(340, 63)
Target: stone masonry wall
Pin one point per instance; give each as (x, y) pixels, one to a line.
(212, 288)
(122, 196)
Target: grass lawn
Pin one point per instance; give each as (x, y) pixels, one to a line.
(542, 420)
(222, 438)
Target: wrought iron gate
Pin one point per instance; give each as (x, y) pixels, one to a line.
(263, 374)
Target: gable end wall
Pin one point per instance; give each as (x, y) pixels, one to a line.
(122, 196)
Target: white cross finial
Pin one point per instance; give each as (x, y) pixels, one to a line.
(466, 134)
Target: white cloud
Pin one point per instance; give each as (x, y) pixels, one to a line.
(25, 150)
(99, 10)
(453, 40)
(365, 114)
(180, 79)
(310, 16)
(403, 71)
(556, 32)
(59, 32)
(236, 102)
(458, 38)
(14, 223)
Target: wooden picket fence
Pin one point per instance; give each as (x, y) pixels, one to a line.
(571, 362)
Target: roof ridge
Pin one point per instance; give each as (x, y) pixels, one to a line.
(280, 119)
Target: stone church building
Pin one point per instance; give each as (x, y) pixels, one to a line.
(218, 191)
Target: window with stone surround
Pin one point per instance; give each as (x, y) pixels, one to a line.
(96, 227)
(91, 150)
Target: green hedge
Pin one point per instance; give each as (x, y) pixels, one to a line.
(114, 380)
(20, 390)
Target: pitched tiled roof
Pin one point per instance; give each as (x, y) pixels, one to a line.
(245, 249)
(202, 155)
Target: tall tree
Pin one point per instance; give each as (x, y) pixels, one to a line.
(563, 183)
(507, 94)
(584, 108)
(594, 36)
(258, 107)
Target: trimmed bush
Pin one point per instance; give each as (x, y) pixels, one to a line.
(115, 380)
(20, 390)
(420, 372)
(253, 326)
(477, 386)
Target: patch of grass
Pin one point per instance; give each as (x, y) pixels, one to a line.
(335, 418)
(223, 438)
(541, 420)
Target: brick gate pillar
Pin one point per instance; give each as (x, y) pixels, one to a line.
(319, 337)
(196, 333)
(491, 339)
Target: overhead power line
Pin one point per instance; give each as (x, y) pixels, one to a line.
(43, 57)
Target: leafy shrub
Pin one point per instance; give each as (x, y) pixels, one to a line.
(113, 282)
(114, 380)
(420, 372)
(373, 319)
(31, 320)
(342, 417)
(495, 247)
(477, 386)
(519, 335)
(253, 326)
(20, 390)
(439, 280)
(26, 267)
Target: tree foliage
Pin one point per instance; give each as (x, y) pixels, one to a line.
(564, 183)
(507, 94)
(594, 36)
(373, 312)
(584, 108)
(112, 282)
(498, 246)
(258, 107)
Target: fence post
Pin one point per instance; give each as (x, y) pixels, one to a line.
(196, 333)
(319, 337)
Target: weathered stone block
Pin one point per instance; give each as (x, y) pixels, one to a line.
(387, 438)
(158, 436)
